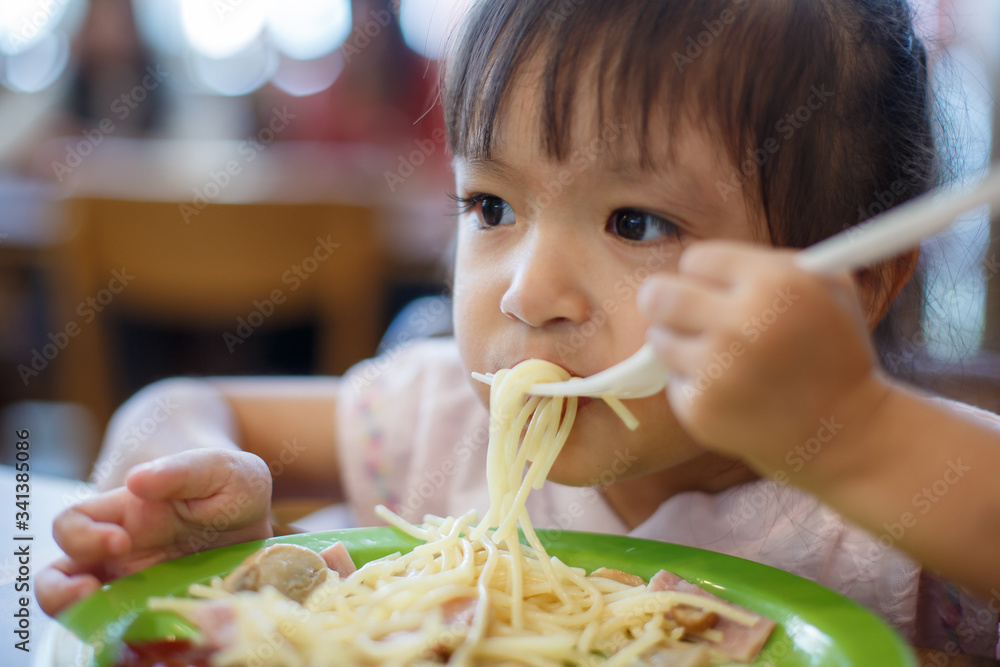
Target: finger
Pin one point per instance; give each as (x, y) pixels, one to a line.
(726, 263)
(61, 584)
(682, 305)
(680, 353)
(193, 474)
(91, 531)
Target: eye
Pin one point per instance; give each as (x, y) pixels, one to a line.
(635, 225)
(493, 211)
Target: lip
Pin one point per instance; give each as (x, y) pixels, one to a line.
(582, 401)
(572, 371)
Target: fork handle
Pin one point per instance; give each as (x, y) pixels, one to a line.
(900, 229)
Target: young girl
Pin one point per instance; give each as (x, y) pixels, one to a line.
(594, 142)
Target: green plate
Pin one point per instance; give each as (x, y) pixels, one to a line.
(816, 627)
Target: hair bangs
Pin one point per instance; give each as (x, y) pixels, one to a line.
(651, 62)
(827, 98)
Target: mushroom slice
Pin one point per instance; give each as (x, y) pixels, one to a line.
(619, 576)
(293, 570)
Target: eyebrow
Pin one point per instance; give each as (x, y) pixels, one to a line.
(626, 169)
(490, 167)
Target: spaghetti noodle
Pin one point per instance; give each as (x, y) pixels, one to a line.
(472, 593)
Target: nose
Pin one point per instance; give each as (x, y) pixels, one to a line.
(547, 285)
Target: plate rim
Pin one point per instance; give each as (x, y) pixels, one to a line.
(819, 607)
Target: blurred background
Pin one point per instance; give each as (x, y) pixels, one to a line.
(224, 187)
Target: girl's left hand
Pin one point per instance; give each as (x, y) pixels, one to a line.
(763, 355)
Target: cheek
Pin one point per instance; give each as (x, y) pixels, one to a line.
(466, 287)
(475, 304)
(475, 311)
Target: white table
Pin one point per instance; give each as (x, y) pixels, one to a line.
(48, 497)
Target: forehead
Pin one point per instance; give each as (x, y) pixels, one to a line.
(673, 149)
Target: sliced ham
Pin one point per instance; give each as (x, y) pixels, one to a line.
(459, 611)
(741, 642)
(338, 559)
(457, 614)
(217, 623)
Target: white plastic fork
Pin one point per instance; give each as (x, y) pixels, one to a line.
(880, 237)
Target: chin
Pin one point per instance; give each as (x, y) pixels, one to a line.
(598, 452)
(601, 451)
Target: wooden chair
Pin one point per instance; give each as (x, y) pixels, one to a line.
(234, 267)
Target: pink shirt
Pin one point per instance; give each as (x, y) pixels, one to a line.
(413, 437)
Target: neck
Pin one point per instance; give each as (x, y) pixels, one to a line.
(635, 500)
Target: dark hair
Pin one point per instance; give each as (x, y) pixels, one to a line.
(823, 106)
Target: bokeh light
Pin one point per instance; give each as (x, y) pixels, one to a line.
(34, 41)
(38, 67)
(239, 74)
(25, 23)
(300, 78)
(308, 29)
(222, 28)
(428, 24)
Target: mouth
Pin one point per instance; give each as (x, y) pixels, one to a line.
(582, 401)
(573, 372)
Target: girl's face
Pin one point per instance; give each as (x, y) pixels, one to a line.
(550, 257)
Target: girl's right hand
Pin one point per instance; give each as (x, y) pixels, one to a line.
(764, 354)
(169, 507)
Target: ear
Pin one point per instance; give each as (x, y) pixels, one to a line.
(881, 284)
